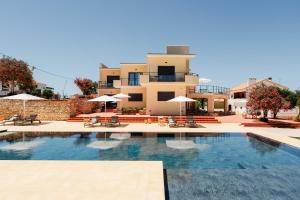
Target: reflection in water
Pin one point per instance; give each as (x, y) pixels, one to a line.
(104, 145)
(83, 139)
(262, 145)
(15, 155)
(150, 149)
(21, 146)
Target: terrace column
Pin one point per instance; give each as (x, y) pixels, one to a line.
(225, 105)
(210, 105)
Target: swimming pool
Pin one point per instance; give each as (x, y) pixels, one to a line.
(219, 166)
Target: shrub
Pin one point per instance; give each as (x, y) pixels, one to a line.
(263, 119)
(258, 113)
(48, 94)
(297, 119)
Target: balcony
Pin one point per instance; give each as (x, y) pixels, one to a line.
(105, 85)
(182, 77)
(177, 77)
(210, 89)
(119, 83)
(126, 82)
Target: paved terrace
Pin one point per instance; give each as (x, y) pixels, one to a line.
(279, 134)
(109, 180)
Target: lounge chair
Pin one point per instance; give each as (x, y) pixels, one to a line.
(113, 121)
(31, 119)
(190, 122)
(172, 122)
(10, 119)
(92, 122)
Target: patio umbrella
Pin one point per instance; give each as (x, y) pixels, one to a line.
(104, 99)
(25, 97)
(181, 99)
(121, 96)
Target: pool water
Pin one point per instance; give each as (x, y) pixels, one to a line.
(225, 166)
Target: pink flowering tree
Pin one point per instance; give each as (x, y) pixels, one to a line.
(86, 86)
(266, 98)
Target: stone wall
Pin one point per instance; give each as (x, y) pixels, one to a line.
(82, 105)
(45, 109)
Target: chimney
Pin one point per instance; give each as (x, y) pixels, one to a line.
(251, 81)
(178, 49)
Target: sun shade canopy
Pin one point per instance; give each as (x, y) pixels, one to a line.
(105, 98)
(121, 96)
(23, 96)
(181, 99)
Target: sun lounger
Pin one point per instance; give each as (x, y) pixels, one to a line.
(113, 121)
(190, 122)
(172, 122)
(31, 119)
(92, 122)
(10, 119)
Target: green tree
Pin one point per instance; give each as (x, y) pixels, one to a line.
(36, 92)
(298, 105)
(289, 97)
(48, 94)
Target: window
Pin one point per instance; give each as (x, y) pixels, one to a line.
(165, 96)
(166, 73)
(110, 80)
(134, 78)
(240, 95)
(135, 97)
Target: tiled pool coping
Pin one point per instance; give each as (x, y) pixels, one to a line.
(282, 135)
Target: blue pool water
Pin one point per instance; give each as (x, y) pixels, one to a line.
(231, 166)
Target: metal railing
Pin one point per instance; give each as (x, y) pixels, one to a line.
(210, 89)
(124, 82)
(155, 77)
(104, 84)
(130, 82)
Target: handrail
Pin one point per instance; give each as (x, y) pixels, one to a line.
(176, 77)
(210, 89)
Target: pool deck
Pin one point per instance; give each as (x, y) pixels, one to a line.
(279, 134)
(70, 180)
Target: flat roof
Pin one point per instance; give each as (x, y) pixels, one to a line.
(109, 180)
(133, 63)
(111, 68)
(170, 55)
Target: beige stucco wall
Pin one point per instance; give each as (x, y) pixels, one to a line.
(125, 68)
(163, 107)
(180, 63)
(104, 72)
(108, 91)
(140, 104)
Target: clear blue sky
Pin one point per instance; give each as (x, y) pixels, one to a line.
(233, 39)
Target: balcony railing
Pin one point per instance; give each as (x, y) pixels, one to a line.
(123, 82)
(155, 77)
(104, 84)
(210, 89)
(130, 82)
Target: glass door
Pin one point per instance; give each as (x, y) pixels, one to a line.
(134, 78)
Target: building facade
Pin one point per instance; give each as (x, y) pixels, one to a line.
(239, 94)
(163, 77)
